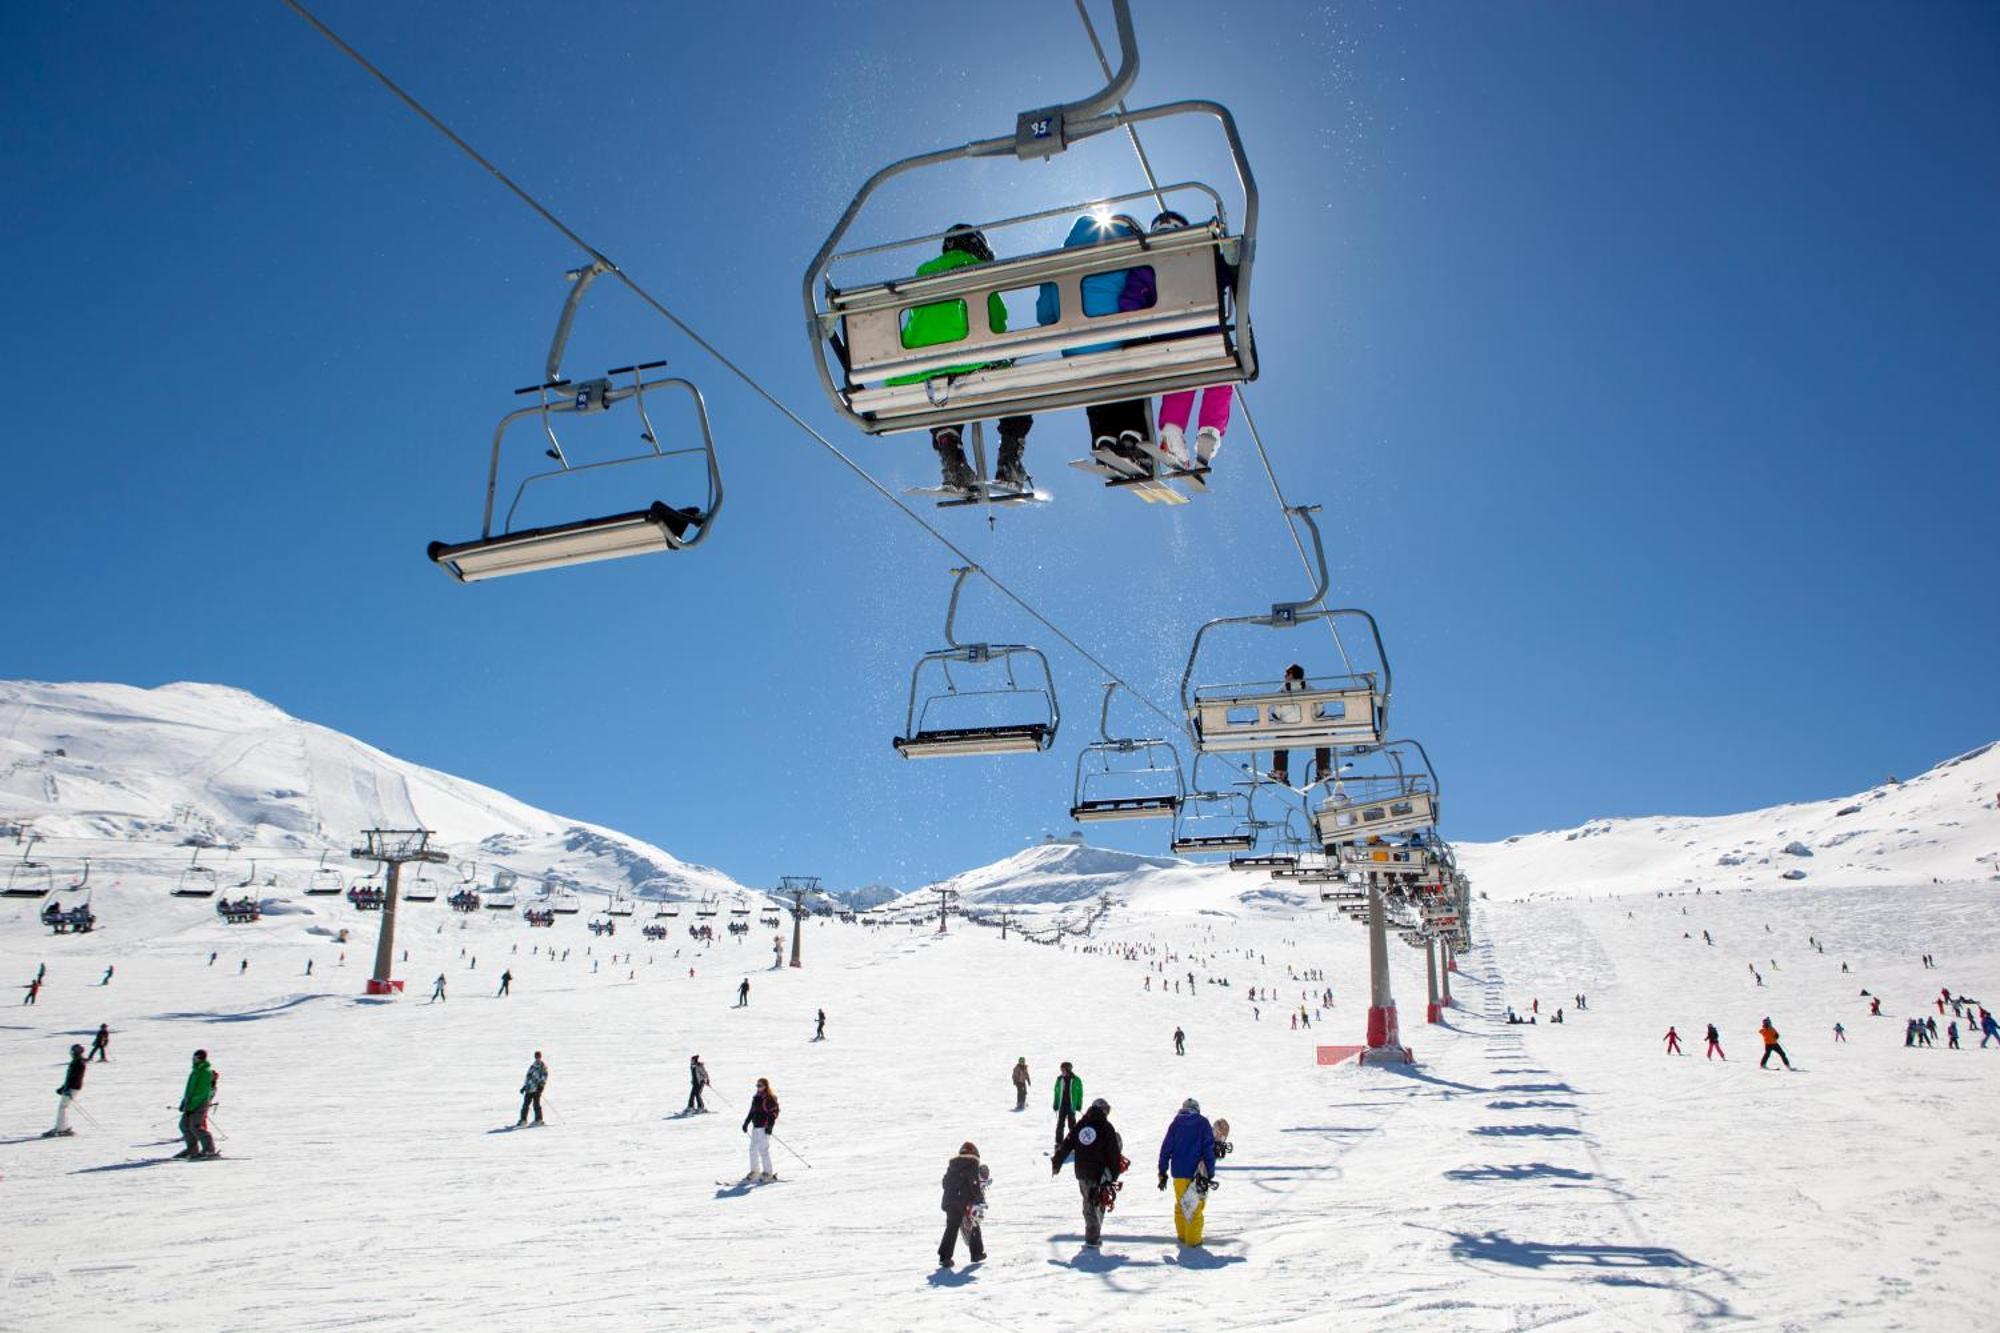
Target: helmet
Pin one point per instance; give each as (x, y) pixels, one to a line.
(1100, 1105)
(1168, 220)
(1191, 1105)
(968, 238)
(76, 1048)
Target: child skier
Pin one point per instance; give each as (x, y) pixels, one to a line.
(1021, 1082)
(965, 1181)
(100, 1045)
(1673, 1042)
(1714, 1039)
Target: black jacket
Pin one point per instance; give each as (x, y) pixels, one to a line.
(1099, 1151)
(964, 1183)
(763, 1112)
(73, 1080)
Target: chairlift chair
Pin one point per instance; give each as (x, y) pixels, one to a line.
(325, 880)
(1399, 797)
(1349, 707)
(1216, 821)
(620, 905)
(30, 879)
(1197, 333)
(421, 888)
(924, 741)
(1288, 845)
(564, 902)
(197, 880)
(657, 527)
(1105, 792)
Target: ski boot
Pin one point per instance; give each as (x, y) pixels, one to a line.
(951, 460)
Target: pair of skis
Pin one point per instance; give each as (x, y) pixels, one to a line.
(1146, 478)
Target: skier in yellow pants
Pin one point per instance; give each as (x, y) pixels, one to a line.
(1187, 1153)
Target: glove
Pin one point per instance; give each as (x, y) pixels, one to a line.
(1055, 1168)
(1163, 1180)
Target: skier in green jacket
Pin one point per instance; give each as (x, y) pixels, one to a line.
(1069, 1101)
(945, 322)
(196, 1098)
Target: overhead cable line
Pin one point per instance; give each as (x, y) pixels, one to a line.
(750, 381)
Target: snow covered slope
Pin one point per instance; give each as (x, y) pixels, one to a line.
(1942, 824)
(132, 778)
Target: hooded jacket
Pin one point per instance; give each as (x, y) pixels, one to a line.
(945, 321)
(1188, 1149)
(200, 1089)
(964, 1183)
(1069, 1093)
(1103, 293)
(1099, 1152)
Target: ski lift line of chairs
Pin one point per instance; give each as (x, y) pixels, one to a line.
(367, 897)
(657, 527)
(1197, 333)
(1349, 708)
(1398, 800)
(1096, 771)
(923, 741)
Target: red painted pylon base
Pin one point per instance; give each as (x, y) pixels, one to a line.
(1435, 1014)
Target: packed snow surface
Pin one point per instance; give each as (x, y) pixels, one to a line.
(1555, 1175)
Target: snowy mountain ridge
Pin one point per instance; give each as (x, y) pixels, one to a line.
(1942, 824)
(134, 777)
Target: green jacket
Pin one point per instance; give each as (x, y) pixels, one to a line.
(1069, 1088)
(944, 321)
(200, 1088)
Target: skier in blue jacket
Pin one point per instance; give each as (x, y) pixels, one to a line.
(1121, 427)
(1188, 1154)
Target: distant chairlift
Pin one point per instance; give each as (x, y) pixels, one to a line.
(30, 879)
(197, 880)
(657, 527)
(620, 905)
(1120, 778)
(421, 888)
(1287, 845)
(1347, 708)
(1195, 334)
(1397, 794)
(1214, 820)
(925, 740)
(325, 880)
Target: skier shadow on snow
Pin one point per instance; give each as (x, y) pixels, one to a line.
(1497, 1247)
(1534, 1087)
(1521, 1171)
(1531, 1104)
(949, 1277)
(246, 1016)
(1420, 1076)
(1528, 1131)
(121, 1166)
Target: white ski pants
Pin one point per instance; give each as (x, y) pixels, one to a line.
(63, 1100)
(760, 1152)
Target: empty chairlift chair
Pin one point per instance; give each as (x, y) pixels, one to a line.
(1395, 794)
(1123, 778)
(926, 734)
(197, 880)
(1214, 820)
(659, 526)
(1196, 333)
(325, 881)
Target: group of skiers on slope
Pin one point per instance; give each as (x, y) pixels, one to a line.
(758, 1124)
(1713, 1037)
(197, 1096)
(1119, 429)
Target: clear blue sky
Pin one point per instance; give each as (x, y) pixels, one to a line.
(1643, 356)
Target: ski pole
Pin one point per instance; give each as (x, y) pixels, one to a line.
(77, 1106)
(789, 1148)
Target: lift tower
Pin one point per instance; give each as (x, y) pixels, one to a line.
(391, 848)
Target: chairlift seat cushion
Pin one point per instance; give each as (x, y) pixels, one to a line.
(975, 741)
(1129, 807)
(640, 532)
